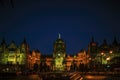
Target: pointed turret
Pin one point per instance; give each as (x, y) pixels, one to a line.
(115, 43)
(115, 46)
(24, 41)
(12, 45)
(24, 45)
(93, 48)
(3, 45)
(93, 43)
(13, 41)
(3, 42)
(59, 36)
(104, 47)
(104, 42)
(92, 39)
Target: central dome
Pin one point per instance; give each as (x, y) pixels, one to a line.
(59, 41)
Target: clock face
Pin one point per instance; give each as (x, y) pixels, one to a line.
(58, 54)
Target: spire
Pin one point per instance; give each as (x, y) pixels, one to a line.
(115, 41)
(24, 41)
(59, 36)
(3, 41)
(12, 41)
(104, 41)
(92, 39)
(93, 43)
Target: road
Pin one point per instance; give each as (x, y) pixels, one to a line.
(61, 76)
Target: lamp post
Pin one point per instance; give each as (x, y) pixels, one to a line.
(111, 54)
(89, 66)
(108, 66)
(111, 51)
(101, 60)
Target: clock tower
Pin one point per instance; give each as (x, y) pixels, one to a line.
(59, 53)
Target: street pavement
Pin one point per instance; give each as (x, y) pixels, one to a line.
(64, 76)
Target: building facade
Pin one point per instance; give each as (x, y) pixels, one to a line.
(33, 60)
(61, 61)
(13, 54)
(20, 57)
(104, 54)
(59, 54)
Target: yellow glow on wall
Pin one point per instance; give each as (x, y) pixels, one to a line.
(59, 63)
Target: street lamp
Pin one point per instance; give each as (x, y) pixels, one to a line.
(108, 66)
(108, 58)
(111, 51)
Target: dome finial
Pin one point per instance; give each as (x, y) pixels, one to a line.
(59, 36)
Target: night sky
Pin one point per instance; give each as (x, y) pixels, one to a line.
(77, 21)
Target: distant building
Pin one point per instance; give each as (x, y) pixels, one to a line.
(13, 57)
(12, 54)
(17, 56)
(104, 53)
(61, 61)
(33, 58)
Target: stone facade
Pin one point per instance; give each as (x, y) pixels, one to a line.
(13, 54)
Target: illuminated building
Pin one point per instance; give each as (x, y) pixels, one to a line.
(81, 58)
(13, 57)
(105, 53)
(62, 61)
(21, 57)
(93, 48)
(59, 54)
(12, 54)
(33, 58)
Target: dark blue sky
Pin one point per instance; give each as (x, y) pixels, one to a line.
(76, 21)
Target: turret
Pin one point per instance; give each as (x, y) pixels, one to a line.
(24, 46)
(59, 47)
(3, 45)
